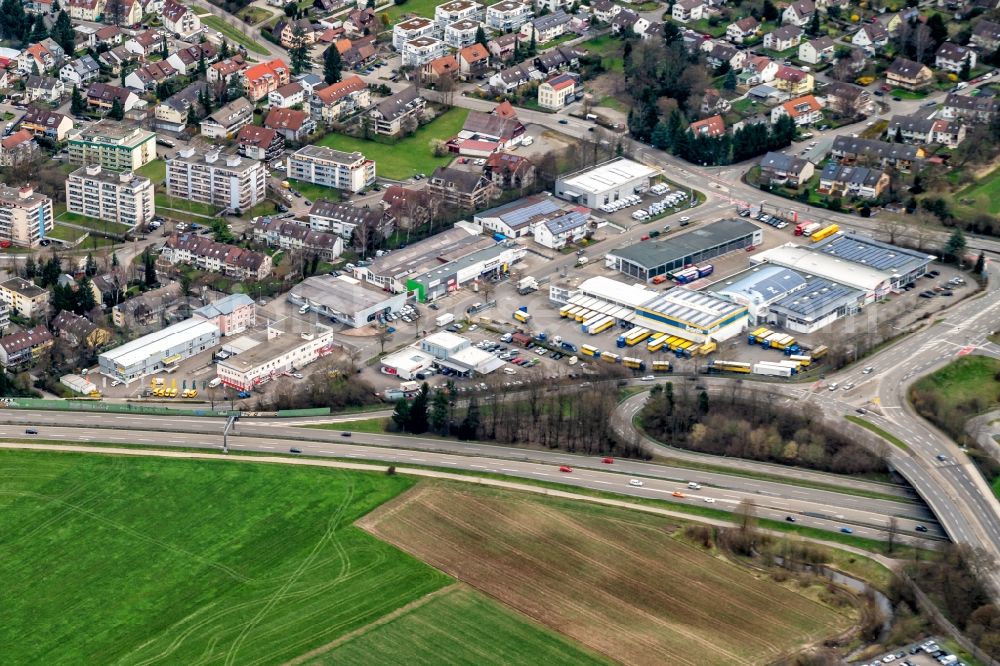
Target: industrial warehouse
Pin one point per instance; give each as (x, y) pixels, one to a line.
(344, 299)
(605, 183)
(488, 263)
(284, 348)
(159, 351)
(649, 259)
(451, 353)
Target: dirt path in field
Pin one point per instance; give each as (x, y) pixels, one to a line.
(385, 619)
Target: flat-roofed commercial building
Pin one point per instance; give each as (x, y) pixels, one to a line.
(280, 352)
(344, 299)
(121, 197)
(25, 215)
(693, 315)
(158, 351)
(647, 259)
(228, 181)
(482, 264)
(352, 172)
(605, 182)
(113, 145)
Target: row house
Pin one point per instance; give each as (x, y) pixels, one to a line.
(852, 181)
(260, 143)
(260, 80)
(782, 169)
(180, 19)
(389, 115)
(509, 15)
(148, 76)
(803, 110)
(19, 350)
(227, 120)
(420, 51)
(290, 236)
(559, 59)
(970, 109)
(335, 101)
(850, 150)
(342, 219)
(456, 10)
(293, 124)
(925, 131)
(44, 88)
(460, 34)
(209, 255)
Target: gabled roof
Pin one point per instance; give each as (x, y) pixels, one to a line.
(108, 93)
(265, 69)
(904, 68)
(713, 127)
(230, 65)
(290, 119)
(801, 106)
(952, 51)
(18, 342)
(465, 182)
(561, 81)
(474, 53)
(260, 137)
(398, 104)
(45, 117)
(341, 89)
(489, 124)
(443, 65)
(786, 32)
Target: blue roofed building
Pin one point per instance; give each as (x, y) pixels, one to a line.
(557, 231)
(515, 219)
(757, 288)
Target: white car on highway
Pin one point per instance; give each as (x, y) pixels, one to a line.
(635, 482)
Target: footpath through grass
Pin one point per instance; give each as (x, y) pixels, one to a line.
(127, 560)
(409, 156)
(889, 437)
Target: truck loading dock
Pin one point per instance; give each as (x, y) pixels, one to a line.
(647, 259)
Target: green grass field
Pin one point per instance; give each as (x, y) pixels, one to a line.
(982, 196)
(407, 157)
(889, 437)
(964, 380)
(232, 33)
(156, 171)
(193, 207)
(129, 560)
(460, 626)
(65, 233)
(91, 223)
(907, 94)
(609, 49)
(254, 15)
(374, 425)
(313, 192)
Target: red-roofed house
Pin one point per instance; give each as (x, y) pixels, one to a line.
(557, 92)
(505, 110)
(510, 171)
(260, 143)
(224, 70)
(260, 80)
(473, 60)
(294, 125)
(710, 127)
(803, 110)
(445, 66)
(793, 81)
(330, 104)
(18, 147)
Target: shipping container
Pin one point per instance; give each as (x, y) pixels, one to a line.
(825, 232)
(589, 350)
(610, 357)
(772, 370)
(729, 366)
(661, 366)
(656, 343)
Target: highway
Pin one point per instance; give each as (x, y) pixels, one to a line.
(825, 509)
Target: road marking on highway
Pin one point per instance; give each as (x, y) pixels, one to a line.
(965, 350)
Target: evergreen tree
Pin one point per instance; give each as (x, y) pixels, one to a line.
(331, 65)
(149, 266)
(401, 415)
(661, 136)
(966, 70)
(63, 298)
(223, 51)
(202, 65)
(418, 412)
(85, 301)
(955, 247)
(63, 33)
(469, 427)
(898, 137)
(980, 263)
(814, 26)
(670, 32)
(291, 9)
(703, 405)
(770, 12)
(90, 267)
(117, 112)
(481, 36)
(164, 51)
(299, 53)
(532, 46)
(938, 30)
(114, 259)
(123, 74)
(782, 132)
(55, 6)
(439, 413)
(38, 30)
(729, 83)
(77, 104)
(30, 268)
(14, 23)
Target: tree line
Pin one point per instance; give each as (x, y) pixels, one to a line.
(749, 426)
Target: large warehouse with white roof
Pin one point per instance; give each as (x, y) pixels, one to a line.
(605, 182)
(158, 351)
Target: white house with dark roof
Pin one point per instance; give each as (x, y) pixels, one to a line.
(951, 57)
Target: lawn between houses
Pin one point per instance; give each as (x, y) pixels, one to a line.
(409, 156)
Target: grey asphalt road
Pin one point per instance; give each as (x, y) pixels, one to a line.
(814, 508)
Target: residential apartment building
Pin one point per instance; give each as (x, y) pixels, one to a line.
(852, 181)
(180, 19)
(803, 110)
(206, 254)
(684, 11)
(260, 143)
(389, 115)
(226, 181)
(410, 29)
(908, 75)
(546, 28)
(21, 349)
(557, 92)
(25, 215)
(231, 314)
(352, 172)
(342, 219)
(289, 235)
(121, 197)
(464, 189)
(288, 96)
(456, 10)
(460, 34)
(113, 145)
(508, 15)
(260, 80)
(24, 297)
(422, 50)
(172, 113)
(85, 10)
(293, 124)
(335, 101)
(228, 120)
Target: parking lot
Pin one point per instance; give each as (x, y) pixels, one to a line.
(925, 653)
